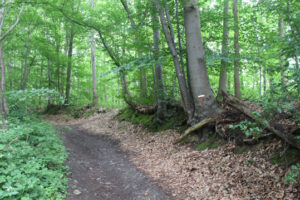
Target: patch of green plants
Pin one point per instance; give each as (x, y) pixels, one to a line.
(32, 161)
(294, 174)
(250, 161)
(249, 128)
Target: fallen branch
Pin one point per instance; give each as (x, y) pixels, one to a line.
(195, 127)
(242, 107)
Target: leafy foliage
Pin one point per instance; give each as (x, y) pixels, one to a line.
(31, 161)
(294, 174)
(21, 102)
(249, 128)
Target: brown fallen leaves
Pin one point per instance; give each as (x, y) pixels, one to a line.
(188, 174)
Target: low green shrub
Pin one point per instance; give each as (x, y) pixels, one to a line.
(31, 161)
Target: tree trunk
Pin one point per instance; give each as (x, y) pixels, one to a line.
(159, 82)
(69, 70)
(49, 79)
(3, 106)
(225, 41)
(237, 90)
(186, 98)
(25, 75)
(93, 62)
(260, 71)
(197, 64)
(179, 37)
(282, 70)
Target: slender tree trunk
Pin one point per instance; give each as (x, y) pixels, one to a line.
(3, 106)
(93, 62)
(225, 41)
(264, 79)
(179, 37)
(25, 75)
(58, 65)
(237, 90)
(49, 79)
(197, 64)
(282, 70)
(186, 98)
(229, 82)
(65, 65)
(159, 81)
(69, 70)
(260, 71)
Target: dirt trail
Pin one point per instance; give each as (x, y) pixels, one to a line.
(101, 171)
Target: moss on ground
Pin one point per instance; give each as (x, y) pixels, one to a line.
(211, 143)
(149, 121)
(291, 156)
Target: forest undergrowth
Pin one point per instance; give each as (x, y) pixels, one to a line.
(32, 160)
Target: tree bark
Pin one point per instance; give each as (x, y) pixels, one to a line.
(186, 99)
(282, 70)
(237, 90)
(3, 106)
(197, 64)
(179, 37)
(158, 79)
(69, 70)
(93, 62)
(25, 75)
(225, 41)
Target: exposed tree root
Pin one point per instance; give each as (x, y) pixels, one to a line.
(197, 126)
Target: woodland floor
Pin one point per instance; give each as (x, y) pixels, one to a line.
(108, 160)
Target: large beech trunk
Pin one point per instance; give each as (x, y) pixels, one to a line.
(197, 64)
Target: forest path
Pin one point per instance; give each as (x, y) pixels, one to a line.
(101, 171)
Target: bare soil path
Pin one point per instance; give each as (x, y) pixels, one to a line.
(101, 171)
